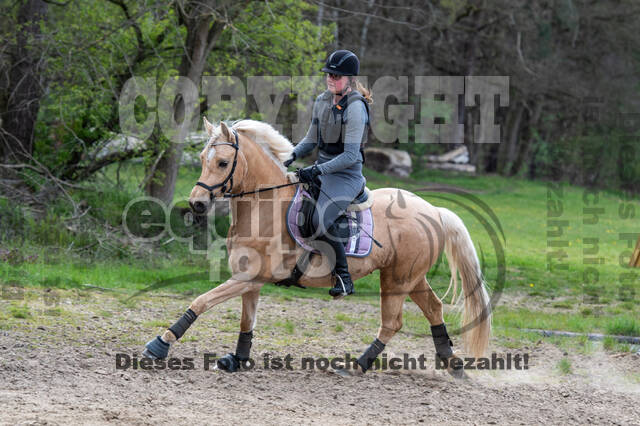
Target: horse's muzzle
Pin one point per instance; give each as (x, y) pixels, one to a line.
(198, 207)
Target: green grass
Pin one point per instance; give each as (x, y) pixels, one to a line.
(624, 325)
(528, 318)
(629, 305)
(521, 207)
(586, 312)
(342, 317)
(20, 311)
(156, 324)
(366, 339)
(562, 305)
(106, 314)
(287, 326)
(612, 345)
(564, 366)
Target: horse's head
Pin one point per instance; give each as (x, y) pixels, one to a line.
(220, 166)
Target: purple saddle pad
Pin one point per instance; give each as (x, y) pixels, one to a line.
(359, 243)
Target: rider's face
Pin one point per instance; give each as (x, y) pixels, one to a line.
(337, 83)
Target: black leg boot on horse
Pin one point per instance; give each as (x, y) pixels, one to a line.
(344, 284)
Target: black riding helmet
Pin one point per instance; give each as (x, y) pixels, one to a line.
(342, 62)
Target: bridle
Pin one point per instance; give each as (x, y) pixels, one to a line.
(226, 193)
(229, 177)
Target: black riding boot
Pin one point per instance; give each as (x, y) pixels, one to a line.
(344, 285)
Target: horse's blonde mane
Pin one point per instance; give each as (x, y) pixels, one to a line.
(270, 140)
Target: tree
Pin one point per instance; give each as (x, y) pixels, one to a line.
(271, 38)
(92, 48)
(568, 62)
(203, 21)
(22, 65)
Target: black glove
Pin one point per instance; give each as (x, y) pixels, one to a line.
(290, 160)
(309, 174)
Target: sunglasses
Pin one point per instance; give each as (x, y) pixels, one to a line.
(335, 76)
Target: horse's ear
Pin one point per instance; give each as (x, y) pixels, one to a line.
(208, 126)
(225, 130)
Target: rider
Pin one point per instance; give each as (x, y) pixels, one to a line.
(339, 129)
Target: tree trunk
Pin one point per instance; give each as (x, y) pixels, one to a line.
(202, 34)
(525, 148)
(25, 86)
(365, 29)
(515, 142)
(319, 19)
(336, 30)
(469, 114)
(508, 147)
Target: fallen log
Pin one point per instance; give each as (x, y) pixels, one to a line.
(458, 155)
(465, 168)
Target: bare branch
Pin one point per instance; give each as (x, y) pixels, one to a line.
(524, 65)
(57, 3)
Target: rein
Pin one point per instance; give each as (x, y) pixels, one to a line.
(240, 194)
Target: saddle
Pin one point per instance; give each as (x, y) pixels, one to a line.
(340, 229)
(354, 228)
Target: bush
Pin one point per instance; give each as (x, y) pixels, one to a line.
(12, 220)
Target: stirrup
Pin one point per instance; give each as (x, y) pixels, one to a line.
(344, 289)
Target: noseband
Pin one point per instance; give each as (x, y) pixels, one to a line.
(229, 177)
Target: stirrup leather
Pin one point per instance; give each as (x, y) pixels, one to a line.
(298, 271)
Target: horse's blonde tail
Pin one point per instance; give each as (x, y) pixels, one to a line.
(462, 257)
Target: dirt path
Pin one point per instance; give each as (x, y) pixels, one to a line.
(61, 369)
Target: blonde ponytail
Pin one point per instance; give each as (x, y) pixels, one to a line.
(360, 88)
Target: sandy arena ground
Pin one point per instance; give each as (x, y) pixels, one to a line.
(61, 369)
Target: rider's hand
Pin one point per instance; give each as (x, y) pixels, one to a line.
(308, 174)
(290, 160)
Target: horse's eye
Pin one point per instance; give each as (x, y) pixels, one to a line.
(223, 164)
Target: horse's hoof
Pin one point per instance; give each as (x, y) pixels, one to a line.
(343, 372)
(453, 364)
(229, 363)
(156, 349)
(457, 373)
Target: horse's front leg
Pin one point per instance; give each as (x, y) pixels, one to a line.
(158, 348)
(231, 362)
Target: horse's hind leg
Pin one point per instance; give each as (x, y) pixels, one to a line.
(159, 347)
(431, 306)
(391, 300)
(231, 362)
(428, 302)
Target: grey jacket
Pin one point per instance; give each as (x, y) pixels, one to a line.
(349, 161)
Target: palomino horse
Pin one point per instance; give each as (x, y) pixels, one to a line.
(413, 233)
